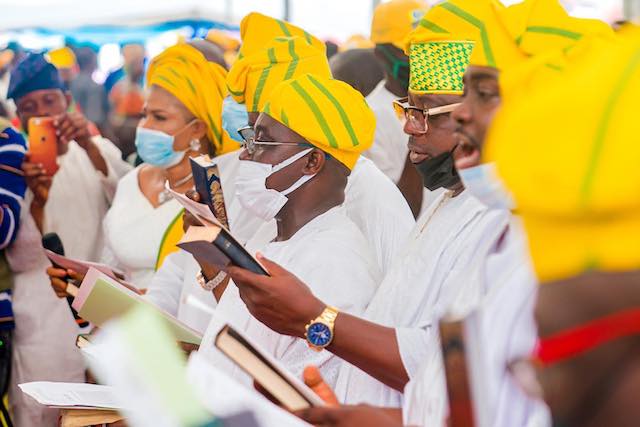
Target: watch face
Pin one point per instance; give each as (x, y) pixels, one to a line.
(319, 334)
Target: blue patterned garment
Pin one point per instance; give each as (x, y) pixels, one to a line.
(12, 184)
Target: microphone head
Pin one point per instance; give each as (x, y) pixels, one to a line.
(52, 242)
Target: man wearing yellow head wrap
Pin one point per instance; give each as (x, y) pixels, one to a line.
(454, 233)
(295, 171)
(392, 23)
(373, 203)
(574, 178)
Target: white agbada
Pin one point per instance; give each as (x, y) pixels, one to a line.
(133, 230)
(44, 339)
(174, 285)
(79, 198)
(372, 202)
(332, 257)
(389, 150)
(504, 302)
(421, 285)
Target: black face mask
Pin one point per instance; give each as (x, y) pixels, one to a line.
(439, 171)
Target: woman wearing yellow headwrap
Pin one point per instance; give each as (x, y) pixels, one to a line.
(181, 119)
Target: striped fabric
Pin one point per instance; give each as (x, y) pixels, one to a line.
(253, 77)
(577, 187)
(328, 113)
(198, 84)
(258, 30)
(12, 185)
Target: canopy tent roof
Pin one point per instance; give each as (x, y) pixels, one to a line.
(69, 14)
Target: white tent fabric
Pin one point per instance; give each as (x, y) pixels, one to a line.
(66, 14)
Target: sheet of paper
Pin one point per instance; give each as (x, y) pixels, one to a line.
(72, 395)
(83, 266)
(199, 210)
(223, 396)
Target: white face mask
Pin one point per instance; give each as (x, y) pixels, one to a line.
(251, 188)
(483, 183)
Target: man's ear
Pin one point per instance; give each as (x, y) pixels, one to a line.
(315, 162)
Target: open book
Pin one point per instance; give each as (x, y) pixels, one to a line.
(101, 298)
(209, 187)
(291, 392)
(216, 246)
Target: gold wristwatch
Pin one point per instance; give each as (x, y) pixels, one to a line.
(319, 332)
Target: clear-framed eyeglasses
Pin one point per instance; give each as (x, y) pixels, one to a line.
(251, 145)
(419, 117)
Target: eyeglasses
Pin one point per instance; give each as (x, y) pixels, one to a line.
(419, 116)
(251, 145)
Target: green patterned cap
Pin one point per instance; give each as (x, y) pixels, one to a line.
(437, 67)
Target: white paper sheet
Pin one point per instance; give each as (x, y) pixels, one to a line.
(71, 395)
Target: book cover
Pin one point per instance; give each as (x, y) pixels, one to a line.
(217, 246)
(209, 186)
(291, 392)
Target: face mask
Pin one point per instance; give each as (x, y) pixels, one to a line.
(439, 171)
(398, 68)
(251, 190)
(234, 116)
(156, 147)
(483, 183)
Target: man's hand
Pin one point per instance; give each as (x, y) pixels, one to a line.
(58, 278)
(281, 301)
(73, 127)
(37, 181)
(349, 416)
(188, 219)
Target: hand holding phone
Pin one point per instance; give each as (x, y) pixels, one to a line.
(43, 144)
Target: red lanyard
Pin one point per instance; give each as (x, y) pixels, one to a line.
(572, 342)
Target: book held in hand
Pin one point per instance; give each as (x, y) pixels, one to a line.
(81, 267)
(216, 246)
(209, 186)
(291, 392)
(101, 299)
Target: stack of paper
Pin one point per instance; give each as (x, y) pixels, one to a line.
(72, 395)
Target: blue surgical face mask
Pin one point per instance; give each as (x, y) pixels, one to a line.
(156, 147)
(483, 183)
(234, 116)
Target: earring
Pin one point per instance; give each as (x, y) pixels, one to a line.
(195, 145)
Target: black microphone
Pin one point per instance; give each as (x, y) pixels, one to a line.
(52, 242)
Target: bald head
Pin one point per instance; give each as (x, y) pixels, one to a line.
(210, 50)
(359, 68)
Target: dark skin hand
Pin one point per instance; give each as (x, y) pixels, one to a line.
(354, 337)
(352, 416)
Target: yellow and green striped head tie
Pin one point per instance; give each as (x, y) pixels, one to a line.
(198, 84)
(258, 30)
(437, 67)
(584, 214)
(515, 33)
(328, 113)
(252, 78)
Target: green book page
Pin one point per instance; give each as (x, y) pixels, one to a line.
(162, 365)
(108, 300)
